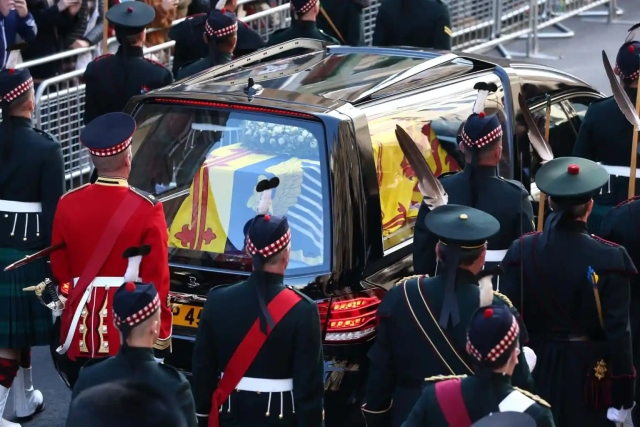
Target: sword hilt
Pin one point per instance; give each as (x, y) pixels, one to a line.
(39, 288)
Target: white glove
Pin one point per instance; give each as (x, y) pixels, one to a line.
(159, 360)
(619, 415)
(531, 358)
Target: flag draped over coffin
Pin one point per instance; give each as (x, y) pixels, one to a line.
(222, 199)
(400, 197)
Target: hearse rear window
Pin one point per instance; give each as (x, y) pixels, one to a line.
(203, 163)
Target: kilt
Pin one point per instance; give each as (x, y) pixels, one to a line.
(24, 321)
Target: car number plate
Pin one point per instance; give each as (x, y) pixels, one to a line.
(186, 315)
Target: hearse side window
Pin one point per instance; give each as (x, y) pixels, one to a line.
(433, 119)
(203, 163)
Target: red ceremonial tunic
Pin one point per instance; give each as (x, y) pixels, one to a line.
(80, 219)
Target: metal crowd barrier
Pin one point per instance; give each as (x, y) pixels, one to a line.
(477, 25)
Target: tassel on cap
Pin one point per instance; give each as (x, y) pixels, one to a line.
(134, 256)
(484, 89)
(485, 278)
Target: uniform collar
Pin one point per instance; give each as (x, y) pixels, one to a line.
(270, 278)
(219, 58)
(135, 51)
(464, 276)
(306, 25)
(142, 354)
(481, 170)
(112, 182)
(572, 225)
(21, 122)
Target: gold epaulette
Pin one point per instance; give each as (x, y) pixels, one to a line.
(537, 398)
(445, 377)
(74, 190)
(415, 276)
(503, 297)
(148, 197)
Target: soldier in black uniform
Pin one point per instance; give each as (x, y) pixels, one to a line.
(191, 46)
(345, 22)
(479, 186)
(125, 403)
(261, 338)
(619, 226)
(303, 25)
(573, 291)
(221, 33)
(31, 182)
(492, 345)
(113, 79)
(421, 23)
(605, 136)
(136, 312)
(417, 311)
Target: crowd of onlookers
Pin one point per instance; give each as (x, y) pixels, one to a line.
(49, 27)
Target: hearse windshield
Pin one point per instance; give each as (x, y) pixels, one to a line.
(204, 162)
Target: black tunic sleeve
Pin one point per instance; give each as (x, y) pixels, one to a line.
(382, 372)
(308, 368)
(614, 290)
(92, 93)
(585, 146)
(418, 415)
(51, 188)
(510, 279)
(424, 244)
(205, 362)
(442, 29)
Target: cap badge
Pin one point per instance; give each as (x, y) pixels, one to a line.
(464, 216)
(573, 169)
(129, 9)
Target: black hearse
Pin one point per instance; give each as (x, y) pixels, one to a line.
(323, 122)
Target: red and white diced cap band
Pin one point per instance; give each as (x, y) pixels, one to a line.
(140, 316)
(633, 76)
(307, 7)
(271, 249)
(111, 151)
(19, 90)
(497, 351)
(221, 32)
(496, 133)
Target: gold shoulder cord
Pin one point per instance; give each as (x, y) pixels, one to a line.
(441, 331)
(503, 297)
(424, 332)
(444, 377)
(537, 398)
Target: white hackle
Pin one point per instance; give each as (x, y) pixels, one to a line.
(530, 357)
(221, 4)
(133, 269)
(265, 202)
(634, 34)
(12, 61)
(478, 107)
(486, 291)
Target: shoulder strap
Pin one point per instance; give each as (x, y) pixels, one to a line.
(247, 351)
(451, 402)
(449, 362)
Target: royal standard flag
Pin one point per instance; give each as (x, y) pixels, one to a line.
(399, 195)
(223, 199)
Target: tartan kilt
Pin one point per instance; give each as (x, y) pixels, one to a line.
(24, 321)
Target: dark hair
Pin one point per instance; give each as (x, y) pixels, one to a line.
(128, 40)
(126, 403)
(467, 257)
(571, 212)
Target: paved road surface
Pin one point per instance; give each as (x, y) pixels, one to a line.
(580, 56)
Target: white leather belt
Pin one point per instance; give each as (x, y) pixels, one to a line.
(98, 282)
(265, 385)
(495, 256)
(620, 170)
(20, 207)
